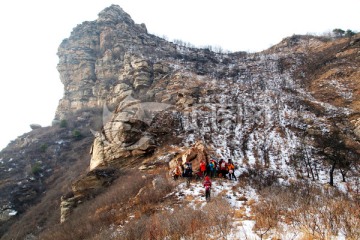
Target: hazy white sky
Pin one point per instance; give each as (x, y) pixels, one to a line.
(31, 32)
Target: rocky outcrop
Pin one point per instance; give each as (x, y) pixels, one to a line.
(86, 187)
(126, 134)
(35, 126)
(98, 57)
(6, 213)
(256, 109)
(195, 154)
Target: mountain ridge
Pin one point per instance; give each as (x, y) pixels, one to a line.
(277, 111)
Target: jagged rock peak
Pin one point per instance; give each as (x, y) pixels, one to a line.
(110, 17)
(114, 15)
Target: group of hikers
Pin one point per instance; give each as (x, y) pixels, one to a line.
(206, 170)
(211, 169)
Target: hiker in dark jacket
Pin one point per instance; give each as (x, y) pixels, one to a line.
(187, 170)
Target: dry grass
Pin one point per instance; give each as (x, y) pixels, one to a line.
(315, 212)
(131, 198)
(212, 222)
(240, 213)
(107, 208)
(312, 211)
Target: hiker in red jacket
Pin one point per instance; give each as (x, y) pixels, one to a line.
(202, 167)
(207, 185)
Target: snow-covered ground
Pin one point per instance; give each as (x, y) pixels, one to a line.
(194, 196)
(240, 197)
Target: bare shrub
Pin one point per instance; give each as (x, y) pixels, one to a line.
(157, 228)
(320, 215)
(266, 217)
(182, 222)
(189, 223)
(316, 212)
(154, 192)
(220, 215)
(179, 223)
(260, 178)
(350, 219)
(89, 218)
(134, 230)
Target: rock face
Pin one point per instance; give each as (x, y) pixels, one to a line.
(102, 60)
(194, 154)
(257, 109)
(86, 187)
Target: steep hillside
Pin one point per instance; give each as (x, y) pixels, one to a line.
(141, 106)
(36, 170)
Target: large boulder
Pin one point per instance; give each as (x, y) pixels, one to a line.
(194, 154)
(35, 126)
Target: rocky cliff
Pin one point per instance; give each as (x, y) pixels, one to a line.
(263, 109)
(250, 107)
(292, 110)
